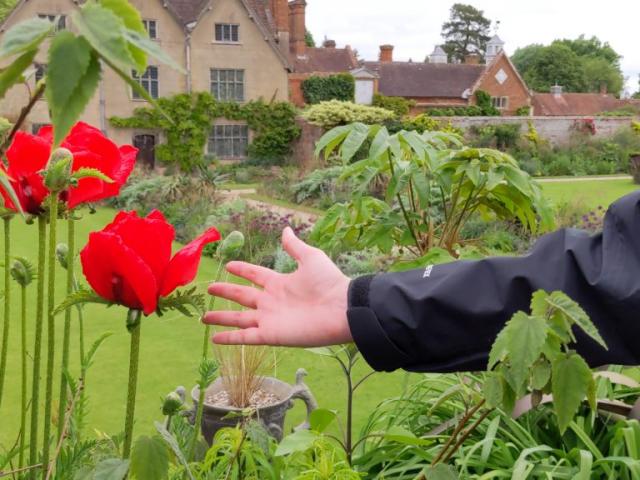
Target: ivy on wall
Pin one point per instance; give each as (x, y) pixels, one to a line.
(334, 87)
(483, 108)
(273, 126)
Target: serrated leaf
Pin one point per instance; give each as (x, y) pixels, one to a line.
(25, 36)
(570, 384)
(112, 469)
(91, 173)
(85, 473)
(142, 42)
(492, 390)
(258, 436)
(208, 370)
(525, 338)
(80, 298)
(173, 443)
(133, 22)
(180, 300)
(13, 73)
(540, 375)
(498, 350)
(65, 116)
(440, 471)
(539, 304)
(69, 58)
(509, 397)
(149, 458)
(321, 418)
(104, 30)
(577, 315)
(95, 346)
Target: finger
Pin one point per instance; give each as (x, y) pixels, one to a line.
(294, 246)
(250, 336)
(233, 318)
(246, 296)
(255, 274)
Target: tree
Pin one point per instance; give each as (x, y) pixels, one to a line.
(466, 31)
(5, 7)
(525, 58)
(555, 65)
(309, 39)
(637, 94)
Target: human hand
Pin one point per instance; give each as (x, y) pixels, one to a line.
(307, 308)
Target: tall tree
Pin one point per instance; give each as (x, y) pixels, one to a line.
(466, 31)
(309, 39)
(555, 65)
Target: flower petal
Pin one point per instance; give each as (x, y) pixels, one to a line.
(184, 265)
(117, 273)
(88, 189)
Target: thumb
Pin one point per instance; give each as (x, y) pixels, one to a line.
(294, 246)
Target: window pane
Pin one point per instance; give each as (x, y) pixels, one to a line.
(220, 131)
(62, 22)
(239, 93)
(153, 73)
(234, 33)
(223, 75)
(154, 89)
(218, 32)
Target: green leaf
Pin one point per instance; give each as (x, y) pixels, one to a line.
(259, 436)
(498, 350)
(180, 300)
(85, 473)
(86, 361)
(104, 30)
(80, 298)
(539, 303)
(65, 116)
(25, 36)
(112, 469)
(577, 315)
(133, 23)
(570, 384)
(13, 73)
(5, 184)
(142, 42)
(436, 256)
(69, 58)
(331, 140)
(149, 458)
(357, 135)
(173, 443)
(208, 370)
(493, 390)
(296, 442)
(91, 173)
(402, 435)
(422, 185)
(540, 375)
(524, 340)
(440, 471)
(509, 397)
(321, 418)
(517, 178)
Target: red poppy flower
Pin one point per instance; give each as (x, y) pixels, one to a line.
(129, 262)
(28, 155)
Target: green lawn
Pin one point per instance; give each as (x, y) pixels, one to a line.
(592, 193)
(169, 356)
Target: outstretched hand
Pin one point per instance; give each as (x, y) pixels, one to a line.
(307, 308)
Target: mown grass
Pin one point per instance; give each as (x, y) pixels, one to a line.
(590, 193)
(169, 355)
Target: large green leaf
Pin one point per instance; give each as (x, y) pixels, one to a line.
(440, 471)
(518, 179)
(142, 42)
(173, 443)
(331, 140)
(69, 58)
(524, 340)
(133, 23)
(539, 303)
(149, 458)
(296, 442)
(498, 349)
(436, 256)
(112, 469)
(493, 390)
(321, 418)
(570, 383)
(65, 116)
(577, 315)
(13, 73)
(402, 435)
(540, 375)
(104, 30)
(25, 36)
(357, 135)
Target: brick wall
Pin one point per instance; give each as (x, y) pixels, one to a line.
(512, 87)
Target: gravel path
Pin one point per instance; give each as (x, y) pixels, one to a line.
(297, 215)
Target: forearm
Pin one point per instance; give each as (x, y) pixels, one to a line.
(447, 320)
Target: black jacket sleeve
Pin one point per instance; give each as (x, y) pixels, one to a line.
(445, 318)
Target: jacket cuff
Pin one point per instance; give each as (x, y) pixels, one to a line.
(368, 335)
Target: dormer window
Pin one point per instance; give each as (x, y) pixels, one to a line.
(151, 26)
(227, 33)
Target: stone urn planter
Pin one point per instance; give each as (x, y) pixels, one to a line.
(634, 160)
(271, 416)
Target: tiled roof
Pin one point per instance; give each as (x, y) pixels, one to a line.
(325, 60)
(408, 79)
(263, 11)
(574, 104)
(188, 10)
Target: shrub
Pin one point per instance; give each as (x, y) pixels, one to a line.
(399, 105)
(635, 126)
(334, 87)
(524, 111)
(334, 113)
(422, 123)
(502, 136)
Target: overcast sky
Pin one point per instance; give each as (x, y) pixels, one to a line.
(413, 26)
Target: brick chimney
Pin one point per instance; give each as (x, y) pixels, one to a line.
(472, 59)
(280, 12)
(298, 27)
(386, 53)
(603, 89)
(329, 44)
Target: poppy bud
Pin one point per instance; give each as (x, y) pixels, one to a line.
(57, 174)
(62, 254)
(22, 271)
(172, 404)
(231, 247)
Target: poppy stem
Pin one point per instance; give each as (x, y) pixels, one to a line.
(51, 330)
(207, 330)
(37, 350)
(134, 320)
(7, 303)
(66, 339)
(23, 410)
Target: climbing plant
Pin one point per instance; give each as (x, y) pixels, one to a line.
(272, 123)
(334, 87)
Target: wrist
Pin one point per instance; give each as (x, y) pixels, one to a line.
(342, 332)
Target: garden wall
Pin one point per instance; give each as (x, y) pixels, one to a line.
(303, 147)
